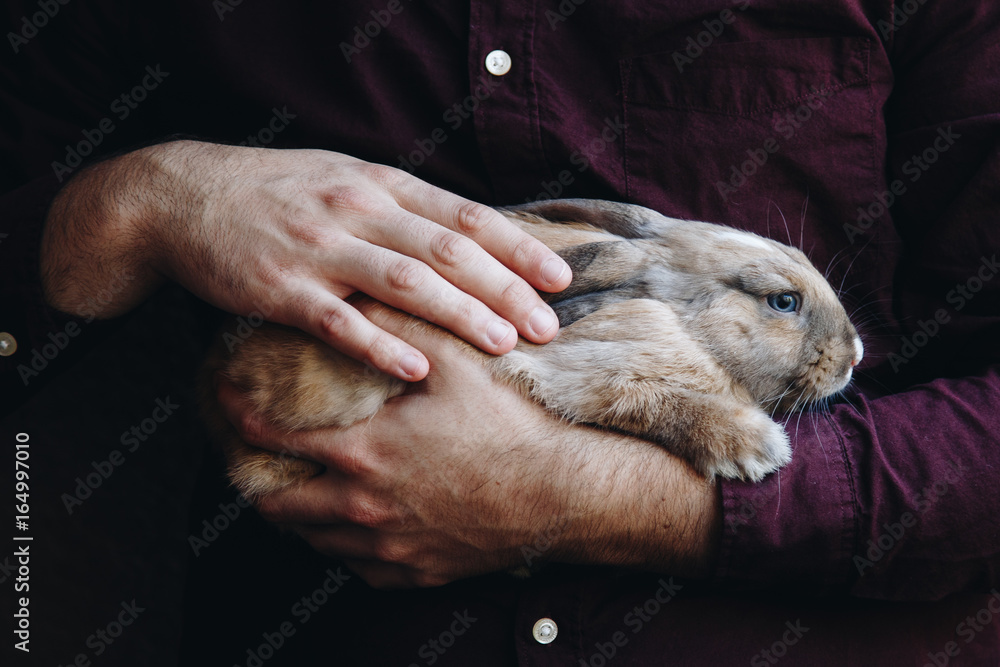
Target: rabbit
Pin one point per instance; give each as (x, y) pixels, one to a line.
(688, 334)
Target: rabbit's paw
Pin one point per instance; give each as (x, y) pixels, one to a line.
(757, 448)
(257, 473)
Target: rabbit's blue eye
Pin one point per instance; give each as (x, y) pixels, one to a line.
(786, 302)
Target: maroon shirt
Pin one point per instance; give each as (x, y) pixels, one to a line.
(867, 133)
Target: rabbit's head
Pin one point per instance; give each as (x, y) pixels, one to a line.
(762, 309)
(759, 307)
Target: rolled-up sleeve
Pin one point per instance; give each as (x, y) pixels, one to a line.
(906, 509)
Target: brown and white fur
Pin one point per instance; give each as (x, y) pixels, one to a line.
(667, 334)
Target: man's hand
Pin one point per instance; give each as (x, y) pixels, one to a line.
(292, 233)
(459, 475)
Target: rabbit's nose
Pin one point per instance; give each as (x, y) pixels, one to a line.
(859, 353)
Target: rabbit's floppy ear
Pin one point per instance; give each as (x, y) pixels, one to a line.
(598, 267)
(628, 220)
(604, 272)
(607, 267)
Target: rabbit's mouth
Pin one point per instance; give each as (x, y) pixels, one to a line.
(826, 377)
(815, 387)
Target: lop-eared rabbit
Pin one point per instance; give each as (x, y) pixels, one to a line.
(688, 334)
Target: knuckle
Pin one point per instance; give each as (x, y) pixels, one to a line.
(405, 275)
(465, 309)
(516, 296)
(252, 429)
(383, 175)
(366, 512)
(302, 226)
(275, 275)
(354, 460)
(379, 352)
(526, 250)
(391, 550)
(350, 198)
(335, 321)
(472, 219)
(451, 249)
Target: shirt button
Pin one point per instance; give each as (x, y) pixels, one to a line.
(545, 631)
(498, 62)
(7, 344)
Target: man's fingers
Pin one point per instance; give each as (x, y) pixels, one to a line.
(237, 409)
(439, 344)
(412, 286)
(472, 270)
(333, 499)
(516, 249)
(318, 501)
(337, 323)
(253, 429)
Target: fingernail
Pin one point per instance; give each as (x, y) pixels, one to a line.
(542, 320)
(410, 363)
(553, 269)
(498, 332)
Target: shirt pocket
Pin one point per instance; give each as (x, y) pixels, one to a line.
(792, 107)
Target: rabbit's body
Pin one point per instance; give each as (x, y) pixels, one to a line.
(674, 331)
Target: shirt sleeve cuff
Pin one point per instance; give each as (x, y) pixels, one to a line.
(798, 527)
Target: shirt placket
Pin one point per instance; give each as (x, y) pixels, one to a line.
(501, 62)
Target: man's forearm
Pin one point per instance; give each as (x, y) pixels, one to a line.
(95, 245)
(638, 506)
